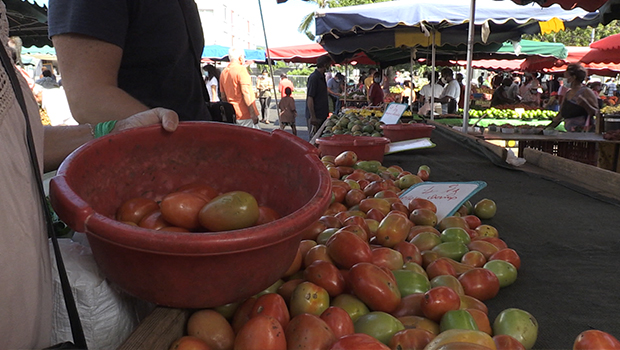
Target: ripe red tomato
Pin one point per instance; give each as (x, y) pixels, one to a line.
(375, 214)
(472, 221)
(418, 203)
(594, 339)
(411, 339)
(335, 208)
(474, 258)
(133, 210)
(181, 209)
(317, 252)
(354, 197)
(358, 230)
(308, 331)
(393, 229)
(374, 286)
(242, 314)
(312, 231)
(387, 257)
(287, 288)
(340, 193)
(482, 321)
(381, 204)
(339, 321)
(410, 305)
(346, 158)
(205, 191)
(509, 255)
(229, 211)
(410, 252)
(347, 249)
(439, 300)
(189, 343)
(326, 275)
(359, 221)
(498, 242)
(266, 215)
(441, 266)
(506, 342)
(480, 283)
(358, 341)
(271, 304)
(261, 332)
(154, 221)
(484, 247)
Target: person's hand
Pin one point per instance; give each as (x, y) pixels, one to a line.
(169, 119)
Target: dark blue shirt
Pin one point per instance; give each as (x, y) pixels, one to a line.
(159, 67)
(317, 89)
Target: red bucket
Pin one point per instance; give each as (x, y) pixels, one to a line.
(192, 270)
(366, 147)
(401, 132)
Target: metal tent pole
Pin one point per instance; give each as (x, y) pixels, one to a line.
(433, 74)
(269, 63)
(470, 53)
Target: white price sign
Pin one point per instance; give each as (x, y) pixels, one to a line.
(393, 112)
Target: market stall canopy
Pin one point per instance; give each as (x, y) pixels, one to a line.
(594, 60)
(388, 31)
(611, 42)
(220, 53)
(610, 9)
(309, 53)
(28, 20)
(494, 65)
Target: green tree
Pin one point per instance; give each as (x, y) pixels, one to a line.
(578, 36)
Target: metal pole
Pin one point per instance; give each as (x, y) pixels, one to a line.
(411, 80)
(470, 54)
(269, 63)
(433, 74)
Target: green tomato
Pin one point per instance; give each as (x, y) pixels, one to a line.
(485, 209)
(410, 282)
(455, 234)
(518, 324)
(506, 272)
(457, 319)
(379, 325)
(452, 250)
(352, 305)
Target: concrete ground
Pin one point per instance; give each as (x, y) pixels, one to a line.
(300, 121)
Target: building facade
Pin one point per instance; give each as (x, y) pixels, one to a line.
(230, 23)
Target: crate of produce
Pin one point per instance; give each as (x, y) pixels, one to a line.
(408, 131)
(195, 269)
(366, 147)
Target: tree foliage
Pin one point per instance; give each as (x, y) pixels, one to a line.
(579, 36)
(343, 3)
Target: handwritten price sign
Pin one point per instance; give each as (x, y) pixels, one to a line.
(447, 196)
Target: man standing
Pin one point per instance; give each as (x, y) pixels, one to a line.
(236, 89)
(459, 79)
(285, 83)
(317, 106)
(449, 97)
(370, 79)
(334, 88)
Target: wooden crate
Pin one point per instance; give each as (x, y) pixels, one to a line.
(158, 330)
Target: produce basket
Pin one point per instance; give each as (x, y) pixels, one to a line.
(409, 131)
(192, 269)
(366, 147)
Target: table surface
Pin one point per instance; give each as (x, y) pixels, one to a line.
(561, 137)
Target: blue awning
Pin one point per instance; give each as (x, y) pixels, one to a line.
(220, 53)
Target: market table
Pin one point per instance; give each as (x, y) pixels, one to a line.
(567, 238)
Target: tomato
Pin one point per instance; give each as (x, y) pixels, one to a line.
(338, 320)
(387, 257)
(453, 250)
(287, 288)
(509, 255)
(271, 304)
(201, 190)
(181, 209)
(518, 324)
(358, 230)
(345, 170)
(266, 215)
(407, 180)
(498, 242)
(295, 265)
(452, 221)
(354, 197)
(261, 333)
(304, 247)
(374, 286)
(480, 283)
(506, 342)
(133, 210)
(347, 249)
(352, 305)
(346, 158)
(485, 230)
(309, 298)
(474, 258)
(330, 221)
(423, 216)
(412, 339)
(418, 322)
(380, 204)
(229, 211)
(595, 340)
(409, 251)
(457, 319)
(340, 193)
(333, 171)
(410, 282)
(486, 248)
(212, 328)
(462, 339)
(455, 234)
(375, 214)
(328, 159)
(335, 208)
(318, 252)
(448, 281)
(415, 230)
(379, 325)
(242, 314)
(482, 320)
(472, 221)
(306, 331)
(189, 343)
(359, 221)
(469, 302)
(441, 266)
(428, 256)
(425, 241)
(326, 275)
(324, 236)
(439, 300)
(485, 209)
(358, 341)
(418, 203)
(506, 273)
(393, 229)
(227, 310)
(154, 221)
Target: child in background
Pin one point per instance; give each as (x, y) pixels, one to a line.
(288, 112)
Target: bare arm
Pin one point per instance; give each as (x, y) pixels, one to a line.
(213, 93)
(310, 104)
(89, 70)
(249, 99)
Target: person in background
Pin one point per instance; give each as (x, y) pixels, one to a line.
(375, 93)
(335, 88)
(288, 111)
(530, 90)
(611, 88)
(554, 84)
(597, 87)
(580, 105)
(426, 91)
(285, 83)
(360, 81)
(408, 94)
(47, 79)
(459, 79)
(369, 79)
(236, 89)
(449, 97)
(500, 95)
(118, 58)
(264, 85)
(513, 90)
(212, 81)
(317, 105)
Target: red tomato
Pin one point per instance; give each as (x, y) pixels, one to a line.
(358, 341)
(375, 214)
(330, 221)
(335, 208)
(339, 321)
(359, 221)
(472, 221)
(309, 298)
(388, 258)
(205, 191)
(326, 275)
(474, 258)
(340, 193)
(308, 331)
(506, 342)
(480, 283)
(346, 158)
(468, 302)
(317, 252)
(133, 210)
(181, 209)
(295, 265)
(439, 300)
(261, 333)
(354, 197)
(410, 252)
(441, 266)
(312, 231)
(509, 255)
(242, 314)
(410, 305)
(595, 340)
(498, 242)
(212, 327)
(393, 229)
(358, 230)
(411, 339)
(418, 203)
(345, 170)
(348, 249)
(380, 204)
(189, 343)
(482, 321)
(374, 286)
(484, 247)
(271, 304)
(266, 214)
(287, 288)
(154, 221)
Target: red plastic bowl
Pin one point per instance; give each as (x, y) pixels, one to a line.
(366, 147)
(401, 132)
(192, 270)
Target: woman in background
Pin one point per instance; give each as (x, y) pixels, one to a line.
(212, 80)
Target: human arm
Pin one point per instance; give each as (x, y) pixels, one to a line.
(310, 104)
(60, 141)
(89, 74)
(248, 97)
(213, 92)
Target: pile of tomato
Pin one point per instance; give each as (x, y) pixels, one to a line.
(377, 273)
